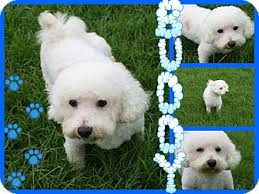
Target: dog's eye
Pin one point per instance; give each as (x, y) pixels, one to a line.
(220, 88)
(220, 31)
(235, 28)
(218, 149)
(73, 103)
(200, 150)
(101, 103)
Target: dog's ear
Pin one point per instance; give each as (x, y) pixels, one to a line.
(233, 156)
(249, 28)
(207, 33)
(248, 25)
(134, 100)
(210, 82)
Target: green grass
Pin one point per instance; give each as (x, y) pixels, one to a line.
(238, 104)
(243, 175)
(130, 32)
(245, 54)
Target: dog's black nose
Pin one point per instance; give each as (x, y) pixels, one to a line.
(231, 44)
(211, 163)
(84, 131)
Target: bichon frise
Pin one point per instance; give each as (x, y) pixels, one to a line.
(95, 99)
(216, 31)
(212, 94)
(210, 156)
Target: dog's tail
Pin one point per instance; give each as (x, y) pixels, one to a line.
(57, 26)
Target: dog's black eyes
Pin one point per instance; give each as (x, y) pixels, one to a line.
(200, 150)
(218, 149)
(235, 28)
(73, 103)
(101, 103)
(220, 31)
(221, 88)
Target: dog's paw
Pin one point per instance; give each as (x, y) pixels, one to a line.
(14, 83)
(12, 131)
(34, 110)
(33, 157)
(16, 179)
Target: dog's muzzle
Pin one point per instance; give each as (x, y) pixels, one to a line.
(231, 44)
(211, 163)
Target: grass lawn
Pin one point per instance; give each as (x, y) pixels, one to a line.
(130, 32)
(243, 175)
(238, 104)
(245, 54)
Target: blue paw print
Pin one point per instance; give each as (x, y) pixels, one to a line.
(12, 131)
(16, 179)
(14, 83)
(33, 156)
(34, 110)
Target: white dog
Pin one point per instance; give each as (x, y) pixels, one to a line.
(216, 31)
(212, 94)
(210, 156)
(95, 99)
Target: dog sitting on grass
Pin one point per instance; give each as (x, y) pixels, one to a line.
(212, 94)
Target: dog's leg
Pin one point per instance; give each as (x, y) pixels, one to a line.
(204, 52)
(75, 152)
(218, 108)
(141, 134)
(208, 109)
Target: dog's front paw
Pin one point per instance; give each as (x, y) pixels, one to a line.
(208, 109)
(218, 109)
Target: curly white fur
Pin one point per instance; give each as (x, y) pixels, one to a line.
(216, 31)
(210, 156)
(79, 69)
(212, 94)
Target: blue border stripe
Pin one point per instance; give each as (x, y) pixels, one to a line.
(124, 2)
(217, 65)
(2, 96)
(171, 98)
(127, 191)
(218, 128)
(256, 157)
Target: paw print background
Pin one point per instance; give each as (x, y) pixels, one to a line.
(33, 157)
(34, 110)
(12, 131)
(14, 83)
(16, 179)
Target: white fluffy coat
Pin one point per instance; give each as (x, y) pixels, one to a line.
(212, 94)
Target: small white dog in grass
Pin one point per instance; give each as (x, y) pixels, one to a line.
(95, 99)
(212, 94)
(216, 31)
(210, 156)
